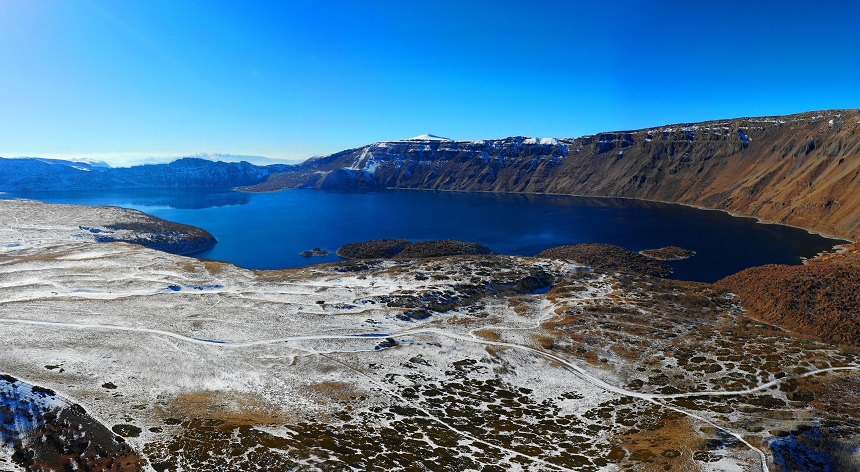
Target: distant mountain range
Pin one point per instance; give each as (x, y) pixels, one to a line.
(36, 174)
(800, 169)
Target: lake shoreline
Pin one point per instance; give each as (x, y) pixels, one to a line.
(515, 223)
(667, 202)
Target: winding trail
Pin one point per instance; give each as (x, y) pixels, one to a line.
(657, 399)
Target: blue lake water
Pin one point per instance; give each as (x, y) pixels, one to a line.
(269, 230)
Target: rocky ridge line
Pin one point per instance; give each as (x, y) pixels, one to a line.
(796, 169)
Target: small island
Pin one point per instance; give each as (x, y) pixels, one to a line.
(668, 253)
(315, 252)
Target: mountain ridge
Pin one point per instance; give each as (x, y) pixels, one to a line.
(793, 169)
(38, 174)
(797, 169)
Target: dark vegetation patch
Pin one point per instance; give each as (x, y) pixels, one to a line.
(374, 249)
(405, 435)
(608, 257)
(668, 253)
(405, 249)
(482, 277)
(813, 448)
(442, 248)
(126, 430)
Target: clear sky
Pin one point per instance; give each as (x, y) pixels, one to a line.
(293, 78)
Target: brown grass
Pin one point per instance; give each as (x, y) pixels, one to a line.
(489, 334)
(336, 390)
(821, 298)
(214, 267)
(230, 407)
(659, 445)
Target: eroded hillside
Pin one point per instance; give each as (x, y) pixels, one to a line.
(797, 169)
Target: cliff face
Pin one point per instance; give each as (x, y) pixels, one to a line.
(796, 169)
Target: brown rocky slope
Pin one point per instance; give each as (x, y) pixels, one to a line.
(820, 298)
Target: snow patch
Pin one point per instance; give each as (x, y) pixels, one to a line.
(541, 141)
(428, 137)
(371, 167)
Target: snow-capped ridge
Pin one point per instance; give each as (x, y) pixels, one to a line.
(541, 141)
(428, 137)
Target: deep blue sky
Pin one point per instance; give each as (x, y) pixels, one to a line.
(291, 79)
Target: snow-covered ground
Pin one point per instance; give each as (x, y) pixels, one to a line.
(469, 350)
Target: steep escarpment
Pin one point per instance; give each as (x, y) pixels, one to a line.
(796, 169)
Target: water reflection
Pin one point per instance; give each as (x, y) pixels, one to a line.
(184, 199)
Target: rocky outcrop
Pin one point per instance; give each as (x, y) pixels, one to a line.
(156, 233)
(796, 169)
(442, 248)
(405, 249)
(48, 432)
(608, 257)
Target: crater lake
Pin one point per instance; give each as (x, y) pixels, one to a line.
(270, 230)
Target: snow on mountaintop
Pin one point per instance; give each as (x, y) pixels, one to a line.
(428, 137)
(542, 141)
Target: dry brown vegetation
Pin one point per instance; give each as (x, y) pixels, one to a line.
(668, 445)
(820, 298)
(214, 267)
(336, 390)
(668, 253)
(231, 408)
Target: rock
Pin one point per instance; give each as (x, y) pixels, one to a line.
(315, 252)
(693, 163)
